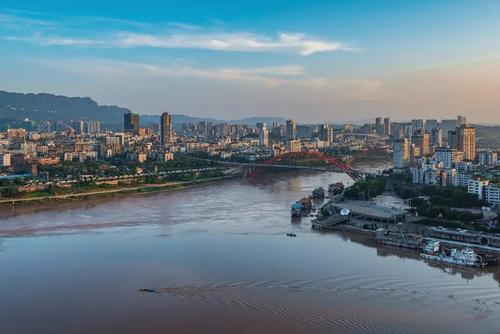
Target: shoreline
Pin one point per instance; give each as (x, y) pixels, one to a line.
(29, 205)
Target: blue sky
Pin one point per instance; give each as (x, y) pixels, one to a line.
(313, 61)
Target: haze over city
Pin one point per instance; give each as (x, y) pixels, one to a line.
(325, 61)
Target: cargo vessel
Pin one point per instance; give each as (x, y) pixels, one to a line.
(463, 257)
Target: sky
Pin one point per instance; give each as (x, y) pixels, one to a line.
(314, 61)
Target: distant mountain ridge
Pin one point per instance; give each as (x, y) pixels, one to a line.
(42, 107)
(49, 107)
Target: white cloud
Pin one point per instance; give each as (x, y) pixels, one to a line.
(101, 32)
(293, 43)
(268, 76)
(241, 42)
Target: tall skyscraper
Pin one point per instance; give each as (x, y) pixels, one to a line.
(467, 141)
(417, 124)
(131, 122)
(431, 124)
(221, 130)
(378, 126)
(387, 126)
(437, 137)
(422, 141)
(79, 127)
(291, 130)
(167, 135)
(448, 125)
(304, 131)
(93, 127)
(260, 126)
(202, 128)
(401, 153)
(461, 120)
(453, 139)
(263, 136)
(277, 130)
(326, 133)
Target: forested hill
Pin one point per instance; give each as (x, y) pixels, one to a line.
(41, 107)
(16, 107)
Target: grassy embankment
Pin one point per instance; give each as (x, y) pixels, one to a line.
(93, 190)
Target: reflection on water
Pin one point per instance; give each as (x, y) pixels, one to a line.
(466, 273)
(222, 262)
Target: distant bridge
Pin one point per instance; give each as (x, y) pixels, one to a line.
(285, 160)
(264, 165)
(331, 163)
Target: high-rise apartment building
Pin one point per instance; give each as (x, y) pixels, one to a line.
(437, 137)
(461, 120)
(448, 125)
(93, 127)
(325, 133)
(387, 126)
(304, 131)
(447, 156)
(422, 141)
(417, 124)
(467, 141)
(401, 154)
(453, 139)
(79, 127)
(291, 130)
(263, 136)
(488, 158)
(221, 130)
(378, 126)
(131, 122)
(167, 133)
(431, 124)
(203, 128)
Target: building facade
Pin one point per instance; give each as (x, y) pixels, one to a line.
(166, 131)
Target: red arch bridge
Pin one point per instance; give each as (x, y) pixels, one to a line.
(300, 160)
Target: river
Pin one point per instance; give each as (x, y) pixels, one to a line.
(221, 254)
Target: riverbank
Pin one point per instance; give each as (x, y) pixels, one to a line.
(48, 202)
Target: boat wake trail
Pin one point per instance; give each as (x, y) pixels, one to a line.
(230, 294)
(214, 294)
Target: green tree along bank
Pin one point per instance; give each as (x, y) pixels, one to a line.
(429, 201)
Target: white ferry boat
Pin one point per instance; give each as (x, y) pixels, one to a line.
(463, 257)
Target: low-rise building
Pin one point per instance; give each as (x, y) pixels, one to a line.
(477, 187)
(492, 194)
(4, 159)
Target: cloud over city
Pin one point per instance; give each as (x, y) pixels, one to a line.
(174, 36)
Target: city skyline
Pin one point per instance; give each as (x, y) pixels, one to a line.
(255, 166)
(346, 61)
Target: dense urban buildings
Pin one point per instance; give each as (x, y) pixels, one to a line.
(423, 148)
(445, 153)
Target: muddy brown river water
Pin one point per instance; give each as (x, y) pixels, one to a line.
(222, 263)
